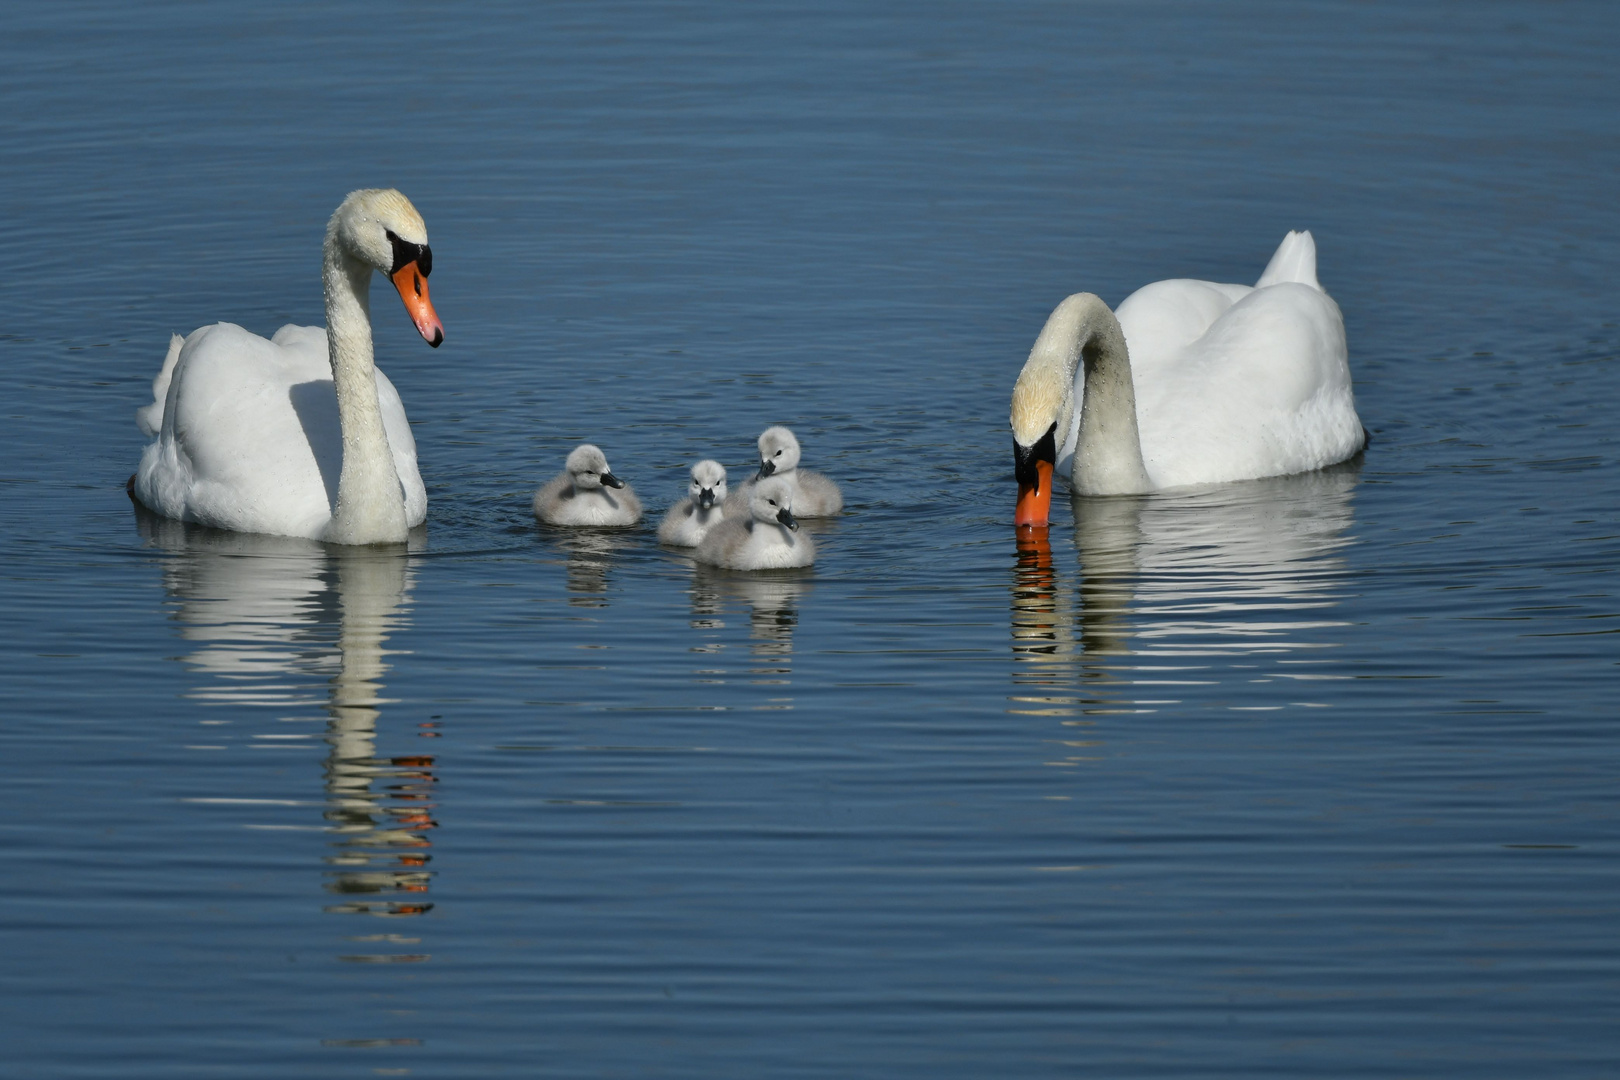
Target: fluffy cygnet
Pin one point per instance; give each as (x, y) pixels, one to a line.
(580, 495)
(813, 494)
(692, 517)
(766, 539)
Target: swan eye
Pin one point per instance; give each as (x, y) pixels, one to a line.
(777, 454)
(407, 252)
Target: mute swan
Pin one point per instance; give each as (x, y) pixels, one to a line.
(579, 495)
(1192, 383)
(767, 538)
(300, 435)
(692, 517)
(814, 495)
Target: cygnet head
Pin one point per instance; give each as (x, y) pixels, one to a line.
(772, 502)
(708, 483)
(380, 227)
(588, 467)
(778, 451)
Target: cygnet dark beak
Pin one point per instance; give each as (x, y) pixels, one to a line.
(785, 516)
(705, 498)
(609, 480)
(765, 469)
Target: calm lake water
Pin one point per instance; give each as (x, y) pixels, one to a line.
(1309, 777)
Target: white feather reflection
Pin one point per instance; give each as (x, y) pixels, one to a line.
(1169, 583)
(1244, 569)
(281, 623)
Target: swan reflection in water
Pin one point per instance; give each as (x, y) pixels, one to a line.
(1172, 581)
(772, 599)
(268, 621)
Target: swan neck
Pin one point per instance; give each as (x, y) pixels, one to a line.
(370, 502)
(1108, 450)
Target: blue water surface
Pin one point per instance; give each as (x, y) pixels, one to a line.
(1316, 776)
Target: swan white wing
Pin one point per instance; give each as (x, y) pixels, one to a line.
(232, 452)
(250, 439)
(1264, 392)
(1162, 319)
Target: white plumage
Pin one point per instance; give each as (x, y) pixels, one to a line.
(1230, 382)
(249, 437)
(299, 435)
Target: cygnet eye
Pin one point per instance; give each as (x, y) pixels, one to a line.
(777, 454)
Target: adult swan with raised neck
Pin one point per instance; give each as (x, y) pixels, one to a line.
(1192, 382)
(300, 435)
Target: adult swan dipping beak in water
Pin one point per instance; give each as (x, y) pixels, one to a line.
(1190, 383)
(300, 435)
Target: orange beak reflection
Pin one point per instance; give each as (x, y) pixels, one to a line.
(1034, 549)
(413, 289)
(1035, 500)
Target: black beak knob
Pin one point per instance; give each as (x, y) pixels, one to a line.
(705, 498)
(785, 516)
(766, 468)
(609, 480)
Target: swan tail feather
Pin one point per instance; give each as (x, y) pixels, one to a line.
(1295, 260)
(150, 417)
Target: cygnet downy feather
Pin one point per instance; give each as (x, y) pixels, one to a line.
(690, 519)
(768, 538)
(814, 495)
(586, 493)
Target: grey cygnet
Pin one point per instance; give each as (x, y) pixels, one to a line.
(586, 493)
(768, 538)
(690, 519)
(814, 495)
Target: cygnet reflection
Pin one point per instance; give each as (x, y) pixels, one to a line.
(772, 602)
(591, 554)
(281, 622)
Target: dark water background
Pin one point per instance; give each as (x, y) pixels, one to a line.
(1315, 776)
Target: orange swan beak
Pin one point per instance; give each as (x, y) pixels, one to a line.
(1035, 498)
(1033, 466)
(413, 289)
